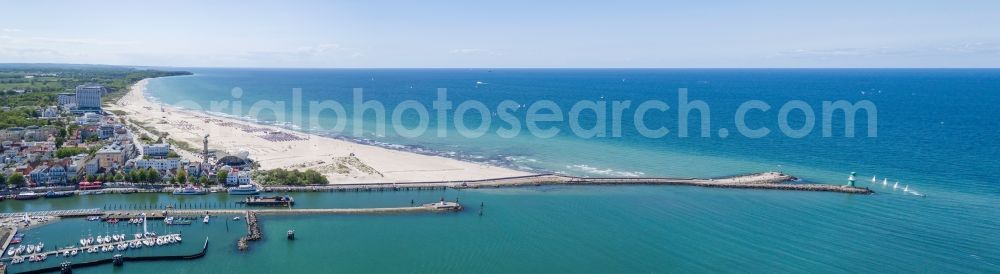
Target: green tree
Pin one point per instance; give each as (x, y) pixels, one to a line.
(17, 179)
(70, 151)
(181, 176)
(203, 181)
(133, 176)
(154, 176)
(220, 177)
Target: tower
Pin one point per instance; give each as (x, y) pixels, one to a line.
(205, 150)
(850, 180)
(203, 168)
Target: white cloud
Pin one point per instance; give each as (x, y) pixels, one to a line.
(841, 52)
(7, 39)
(473, 52)
(950, 49)
(10, 30)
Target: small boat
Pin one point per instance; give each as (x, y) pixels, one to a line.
(247, 189)
(237, 218)
(172, 221)
(874, 180)
(190, 190)
(291, 234)
(27, 195)
(72, 252)
(53, 194)
(205, 220)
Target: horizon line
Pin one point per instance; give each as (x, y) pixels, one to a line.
(486, 68)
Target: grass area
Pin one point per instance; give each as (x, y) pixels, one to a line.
(289, 177)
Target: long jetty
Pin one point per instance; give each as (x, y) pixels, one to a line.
(157, 214)
(765, 180)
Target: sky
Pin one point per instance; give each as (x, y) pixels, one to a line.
(503, 34)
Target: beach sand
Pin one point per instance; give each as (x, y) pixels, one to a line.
(330, 156)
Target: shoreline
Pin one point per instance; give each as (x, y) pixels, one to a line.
(299, 150)
(361, 166)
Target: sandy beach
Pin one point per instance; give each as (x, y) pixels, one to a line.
(274, 147)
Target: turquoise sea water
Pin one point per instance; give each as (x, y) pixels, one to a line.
(937, 132)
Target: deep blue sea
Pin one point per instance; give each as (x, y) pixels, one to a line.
(938, 132)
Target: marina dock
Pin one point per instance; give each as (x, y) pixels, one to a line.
(6, 235)
(119, 259)
(83, 249)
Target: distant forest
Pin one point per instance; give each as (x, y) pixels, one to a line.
(26, 87)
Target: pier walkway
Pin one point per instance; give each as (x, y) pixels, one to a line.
(155, 214)
(765, 180)
(158, 213)
(63, 213)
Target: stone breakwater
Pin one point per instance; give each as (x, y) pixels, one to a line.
(253, 232)
(764, 180)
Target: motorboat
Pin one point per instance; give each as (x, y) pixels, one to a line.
(247, 189)
(190, 190)
(27, 195)
(53, 194)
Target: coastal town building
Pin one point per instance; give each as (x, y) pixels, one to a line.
(111, 156)
(66, 100)
(156, 150)
(12, 134)
(48, 174)
(238, 177)
(88, 97)
(48, 112)
(162, 165)
(89, 118)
